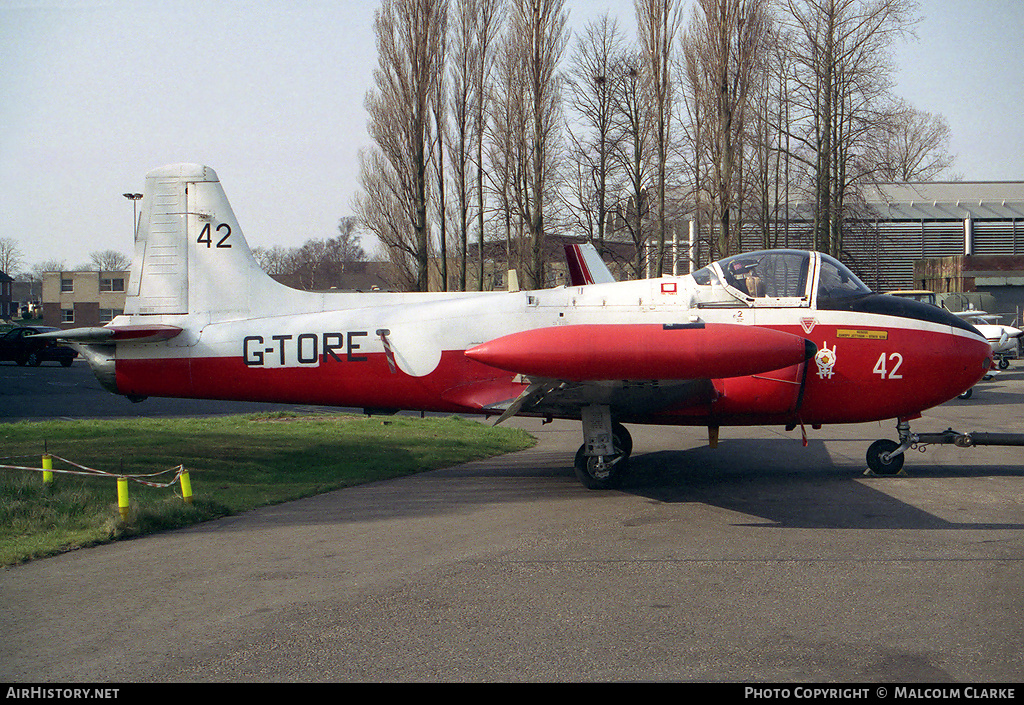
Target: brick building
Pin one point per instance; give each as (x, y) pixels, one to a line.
(78, 299)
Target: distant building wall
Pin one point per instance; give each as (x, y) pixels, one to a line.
(1002, 276)
(6, 297)
(77, 299)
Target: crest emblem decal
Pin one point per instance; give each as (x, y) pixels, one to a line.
(825, 359)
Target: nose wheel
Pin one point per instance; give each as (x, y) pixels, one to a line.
(886, 457)
(882, 458)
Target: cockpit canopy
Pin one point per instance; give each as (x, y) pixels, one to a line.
(777, 278)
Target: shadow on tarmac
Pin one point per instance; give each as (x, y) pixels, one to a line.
(790, 488)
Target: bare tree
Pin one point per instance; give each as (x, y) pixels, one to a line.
(634, 155)
(396, 168)
(310, 261)
(657, 23)
(507, 150)
(36, 271)
(440, 110)
(109, 261)
(695, 140)
(843, 67)
(915, 147)
(488, 21)
(275, 261)
(590, 93)
(10, 255)
(723, 41)
(462, 61)
(317, 263)
(348, 242)
(540, 27)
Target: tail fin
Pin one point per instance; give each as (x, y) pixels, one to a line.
(190, 254)
(586, 265)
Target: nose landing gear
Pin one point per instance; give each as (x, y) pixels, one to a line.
(883, 458)
(886, 457)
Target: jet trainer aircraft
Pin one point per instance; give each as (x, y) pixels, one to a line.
(775, 337)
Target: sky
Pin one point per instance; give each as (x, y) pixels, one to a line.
(96, 93)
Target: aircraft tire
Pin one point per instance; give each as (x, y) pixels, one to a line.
(1004, 363)
(607, 479)
(967, 394)
(623, 439)
(884, 467)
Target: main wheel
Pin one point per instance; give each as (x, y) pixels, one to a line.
(600, 478)
(1004, 363)
(879, 463)
(621, 439)
(615, 466)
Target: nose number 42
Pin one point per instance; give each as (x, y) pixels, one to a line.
(883, 370)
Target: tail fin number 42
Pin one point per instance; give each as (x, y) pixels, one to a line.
(223, 232)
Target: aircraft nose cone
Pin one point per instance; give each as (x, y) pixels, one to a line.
(970, 359)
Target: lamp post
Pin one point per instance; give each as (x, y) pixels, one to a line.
(134, 198)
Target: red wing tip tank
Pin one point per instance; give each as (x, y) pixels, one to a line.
(644, 351)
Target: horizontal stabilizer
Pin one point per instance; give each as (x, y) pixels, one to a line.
(644, 351)
(114, 334)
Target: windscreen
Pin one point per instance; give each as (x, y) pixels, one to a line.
(837, 282)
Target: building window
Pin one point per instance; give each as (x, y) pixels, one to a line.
(67, 286)
(112, 284)
(67, 315)
(109, 314)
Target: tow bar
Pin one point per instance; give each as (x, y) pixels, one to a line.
(966, 440)
(886, 457)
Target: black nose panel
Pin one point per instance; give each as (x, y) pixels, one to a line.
(898, 306)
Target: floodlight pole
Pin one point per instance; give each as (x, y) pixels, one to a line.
(134, 198)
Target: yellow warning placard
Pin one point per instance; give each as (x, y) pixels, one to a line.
(862, 334)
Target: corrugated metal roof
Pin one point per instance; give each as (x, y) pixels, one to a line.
(948, 200)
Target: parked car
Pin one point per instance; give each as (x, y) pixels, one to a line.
(17, 345)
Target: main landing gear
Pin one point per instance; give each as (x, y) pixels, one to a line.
(886, 457)
(603, 459)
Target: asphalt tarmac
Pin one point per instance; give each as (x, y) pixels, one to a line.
(762, 561)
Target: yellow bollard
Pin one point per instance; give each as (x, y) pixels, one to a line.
(186, 487)
(122, 497)
(47, 467)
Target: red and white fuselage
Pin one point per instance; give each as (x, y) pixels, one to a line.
(778, 337)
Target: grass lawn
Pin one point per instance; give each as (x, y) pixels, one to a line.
(235, 463)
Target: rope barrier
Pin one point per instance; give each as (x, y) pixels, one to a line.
(181, 477)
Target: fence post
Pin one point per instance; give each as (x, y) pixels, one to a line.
(122, 497)
(186, 487)
(47, 469)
